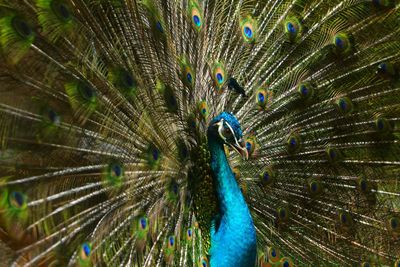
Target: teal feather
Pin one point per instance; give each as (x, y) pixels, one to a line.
(233, 225)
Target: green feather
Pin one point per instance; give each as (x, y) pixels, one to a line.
(187, 75)
(16, 37)
(55, 17)
(124, 81)
(81, 95)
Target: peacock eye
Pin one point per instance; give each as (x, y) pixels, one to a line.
(204, 262)
(21, 27)
(61, 10)
(249, 29)
(159, 26)
(196, 14)
(228, 134)
(86, 249)
(17, 200)
(143, 223)
(85, 252)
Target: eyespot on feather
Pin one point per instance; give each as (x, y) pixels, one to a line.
(248, 26)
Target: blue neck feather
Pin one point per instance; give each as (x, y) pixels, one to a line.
(233, 236)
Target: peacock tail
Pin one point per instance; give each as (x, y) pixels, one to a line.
(104, 111)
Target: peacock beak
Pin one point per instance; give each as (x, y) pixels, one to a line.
(240, 147)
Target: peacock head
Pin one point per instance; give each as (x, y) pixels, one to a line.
(226, 129)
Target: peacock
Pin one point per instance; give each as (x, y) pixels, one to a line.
(200, 133)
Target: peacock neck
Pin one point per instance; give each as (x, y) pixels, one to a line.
(233, 236)
(230, 198)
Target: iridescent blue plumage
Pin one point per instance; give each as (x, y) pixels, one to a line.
(233, 236)
(248, 32)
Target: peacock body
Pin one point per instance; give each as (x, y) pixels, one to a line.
(200, 133)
